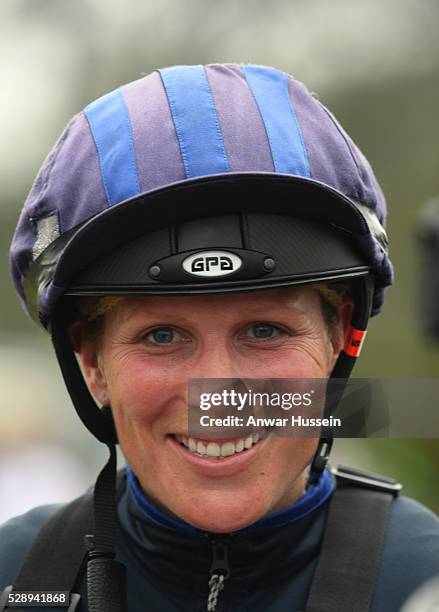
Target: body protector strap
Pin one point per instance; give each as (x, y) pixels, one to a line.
(353, 541)
(346, 572)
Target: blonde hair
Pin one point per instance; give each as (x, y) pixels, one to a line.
(91, 308)
(91, 311)
(331, 296)
(333, 293)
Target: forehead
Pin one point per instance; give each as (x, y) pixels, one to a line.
(288, 299)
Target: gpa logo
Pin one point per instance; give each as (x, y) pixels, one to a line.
(212, 263)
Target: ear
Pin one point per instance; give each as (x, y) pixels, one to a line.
(340, 333)
(89, 356)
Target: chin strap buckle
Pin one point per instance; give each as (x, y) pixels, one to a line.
(320, 460)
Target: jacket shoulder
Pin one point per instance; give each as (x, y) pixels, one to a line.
(411, 553)
(413, 529)
(16, 536)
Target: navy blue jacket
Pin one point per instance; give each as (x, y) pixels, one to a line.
(272, 562)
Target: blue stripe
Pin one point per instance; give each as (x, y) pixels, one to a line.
(270, 90)
(196, 120)
(112, 132)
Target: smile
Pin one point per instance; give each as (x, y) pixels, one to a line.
(219, 450)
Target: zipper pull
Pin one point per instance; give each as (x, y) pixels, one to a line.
(219, 570)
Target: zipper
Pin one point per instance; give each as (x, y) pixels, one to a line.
(219, 570)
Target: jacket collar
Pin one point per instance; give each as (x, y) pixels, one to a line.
(168, 548)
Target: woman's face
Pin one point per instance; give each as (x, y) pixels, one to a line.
(151, 346)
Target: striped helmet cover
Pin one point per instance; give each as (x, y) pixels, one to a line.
(181, 123)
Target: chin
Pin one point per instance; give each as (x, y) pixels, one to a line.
(223, 517)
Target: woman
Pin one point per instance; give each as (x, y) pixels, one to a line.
(209, 222)
(147, 350)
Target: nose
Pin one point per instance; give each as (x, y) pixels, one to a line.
(216, 360)
(217, 371)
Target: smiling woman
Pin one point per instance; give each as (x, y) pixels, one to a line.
(209, 222)
(147, 350)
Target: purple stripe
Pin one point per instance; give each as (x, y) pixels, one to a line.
(244, 135)
(155, 141)
(329, 157)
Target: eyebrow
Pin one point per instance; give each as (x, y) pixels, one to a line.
(261, 311)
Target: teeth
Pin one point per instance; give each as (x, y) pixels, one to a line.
(213, 450)
(227, 449)
(201, 449)
(218, 451)
(239, 446)
(248, 442)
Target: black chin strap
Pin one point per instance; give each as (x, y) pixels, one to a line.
(98, 421)
(362, 290)
(320, 460)
(106, 578)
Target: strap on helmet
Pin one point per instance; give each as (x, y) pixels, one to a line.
(98, 421)
(102, 569)
(362, 290)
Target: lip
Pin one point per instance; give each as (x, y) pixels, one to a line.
(228, 466)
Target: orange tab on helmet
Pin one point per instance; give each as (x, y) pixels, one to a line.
(355, 342)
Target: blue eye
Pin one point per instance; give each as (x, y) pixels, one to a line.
(161, 335)
(264, 331)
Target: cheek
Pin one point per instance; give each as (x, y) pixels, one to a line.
(307, 358)
(140, 392)
(294, 453)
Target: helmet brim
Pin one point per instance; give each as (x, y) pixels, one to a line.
(181, 202)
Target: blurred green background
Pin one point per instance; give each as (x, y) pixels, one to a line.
(374, 63)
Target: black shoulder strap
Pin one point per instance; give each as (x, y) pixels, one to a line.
(58, 552)
(353, 540)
